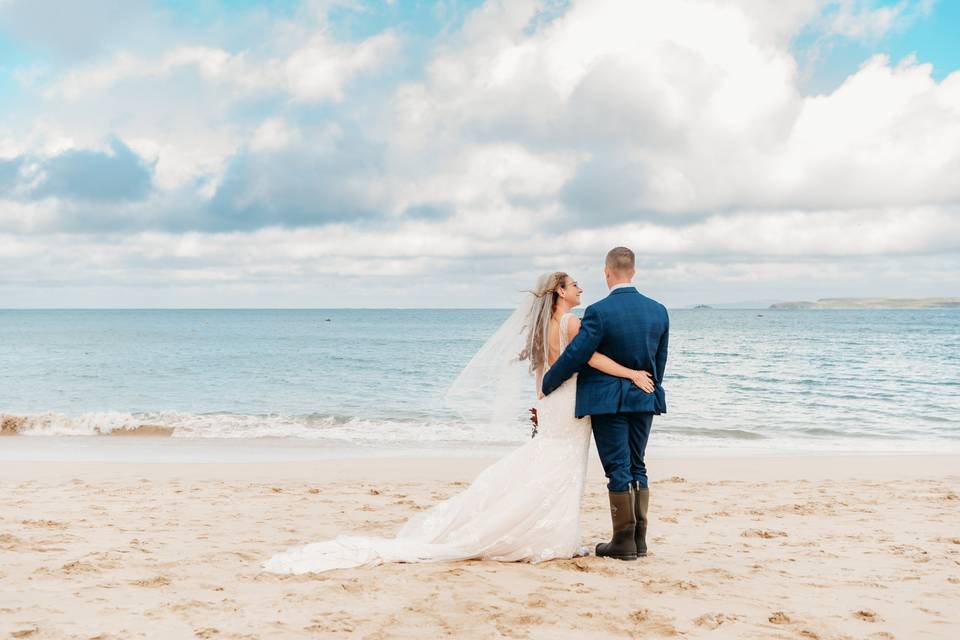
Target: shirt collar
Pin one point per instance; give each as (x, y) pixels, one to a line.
(622, 285)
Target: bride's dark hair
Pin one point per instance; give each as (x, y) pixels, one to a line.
(538, 323)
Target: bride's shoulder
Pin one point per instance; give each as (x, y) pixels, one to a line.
(572, 323)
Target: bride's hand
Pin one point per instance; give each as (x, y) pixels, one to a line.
(643, 380)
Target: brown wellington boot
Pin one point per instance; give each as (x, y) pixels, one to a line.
(623, 545)
(641, 506)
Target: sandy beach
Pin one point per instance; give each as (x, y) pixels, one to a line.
(752, 547)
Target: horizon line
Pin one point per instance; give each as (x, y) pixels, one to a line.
(671, 308)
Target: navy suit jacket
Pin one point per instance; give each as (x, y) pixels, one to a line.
(631, 329)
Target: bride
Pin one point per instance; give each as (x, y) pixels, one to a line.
(526, 506)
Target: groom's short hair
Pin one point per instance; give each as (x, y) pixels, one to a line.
(621, 260)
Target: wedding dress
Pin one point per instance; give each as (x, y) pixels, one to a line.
(524, 507)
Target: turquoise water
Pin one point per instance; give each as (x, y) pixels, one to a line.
(847, 380)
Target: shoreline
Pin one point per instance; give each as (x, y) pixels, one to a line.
(161, 449)
(452, 468)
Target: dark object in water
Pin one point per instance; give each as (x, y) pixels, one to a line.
(328, 319)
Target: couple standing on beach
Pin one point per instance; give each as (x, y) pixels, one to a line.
(605, 373)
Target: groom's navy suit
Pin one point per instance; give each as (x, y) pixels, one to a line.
(633, 330)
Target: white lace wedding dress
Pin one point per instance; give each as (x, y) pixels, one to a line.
(525, 507)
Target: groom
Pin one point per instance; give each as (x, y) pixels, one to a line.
(632, 330)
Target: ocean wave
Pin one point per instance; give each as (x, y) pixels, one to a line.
(720, 434)
(347, 429)
(90, 424)
(353, 431)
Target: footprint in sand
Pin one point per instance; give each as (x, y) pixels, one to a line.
(779, 617)
(801, 508)
(651, 622)
(158, 581)
(763, 533)
(9, 542)
(721, 574)
(660, 585)
(331, 623)
(595, 565)
(715, 620)
(917, 554)
(77, 566)
(866, 615)
(352, 585)
(46, 524)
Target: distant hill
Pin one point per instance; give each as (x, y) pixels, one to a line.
(873, 303)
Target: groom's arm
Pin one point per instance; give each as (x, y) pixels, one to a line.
(661, 360)
(577, 352)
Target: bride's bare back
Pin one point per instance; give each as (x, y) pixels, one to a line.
(554, 348)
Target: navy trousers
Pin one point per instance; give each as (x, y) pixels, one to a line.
(622, 442)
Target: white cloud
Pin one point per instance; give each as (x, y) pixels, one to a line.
(858, 19)
(75, 30)
(320, 70)
(212, 64)
(315, 71)
(717, 257)
(273, 134)
(676, 127)
(487, 177)
(889, 135)
(25, 217)
(679, 109)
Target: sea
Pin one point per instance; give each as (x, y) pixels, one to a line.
(372, 381)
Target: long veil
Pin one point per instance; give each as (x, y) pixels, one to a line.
(496, 387)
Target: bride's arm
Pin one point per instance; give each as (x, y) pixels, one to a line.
(539, 382)
(609, 366)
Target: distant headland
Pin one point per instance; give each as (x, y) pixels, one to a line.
(873, 303)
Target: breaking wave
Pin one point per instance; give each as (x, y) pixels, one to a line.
(230, 425)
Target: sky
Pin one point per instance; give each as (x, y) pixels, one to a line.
(415, 153)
